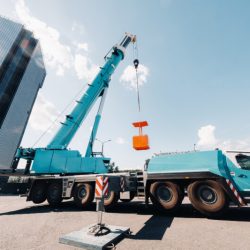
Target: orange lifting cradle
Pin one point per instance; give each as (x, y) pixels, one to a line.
(140, 142)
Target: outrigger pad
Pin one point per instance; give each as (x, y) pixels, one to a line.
(86, 240)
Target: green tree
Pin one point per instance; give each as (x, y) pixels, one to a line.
(112, 168)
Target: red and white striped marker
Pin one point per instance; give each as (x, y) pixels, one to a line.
(236, 194)
(122, 183)
(101, 186)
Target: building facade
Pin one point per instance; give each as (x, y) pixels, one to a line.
(22, 73)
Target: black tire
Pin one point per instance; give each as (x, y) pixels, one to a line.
(166, 196)
(83, 194)
(208, 197)
(38, 192)
(54, 194)
(132, 196)
(111, 199)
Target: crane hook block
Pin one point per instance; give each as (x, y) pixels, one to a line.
(140, 142)
(136, 63)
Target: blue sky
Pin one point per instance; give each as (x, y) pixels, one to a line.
(195, 58)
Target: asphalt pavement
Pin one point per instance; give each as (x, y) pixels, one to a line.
(24, 225)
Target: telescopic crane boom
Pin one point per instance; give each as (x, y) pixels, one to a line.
(96, 89)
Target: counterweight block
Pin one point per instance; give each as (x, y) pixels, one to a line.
(141, 141)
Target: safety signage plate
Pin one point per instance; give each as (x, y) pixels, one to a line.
(101, 186)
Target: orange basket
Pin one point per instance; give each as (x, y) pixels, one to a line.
(140, 142)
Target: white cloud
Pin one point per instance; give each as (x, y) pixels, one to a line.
(241, 145)
(120, 140)
(83, 46)
(208, 140)
(79, 28)
(128, 77)
(206, 136)
(60, 71)
(84, 68)
(57, 55)
(43, 114)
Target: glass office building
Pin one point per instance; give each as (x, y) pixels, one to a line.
(22, 73)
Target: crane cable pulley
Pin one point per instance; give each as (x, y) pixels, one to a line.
(136, 64)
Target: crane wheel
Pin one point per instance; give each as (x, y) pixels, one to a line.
(111, 199)
(166, 196)
(83, 194)
(38, 192)
(54, 194)
(208, 197)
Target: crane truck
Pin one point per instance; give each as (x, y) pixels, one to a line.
(56, 172)
(211, 179)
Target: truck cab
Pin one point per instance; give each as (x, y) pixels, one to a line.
(239, 165)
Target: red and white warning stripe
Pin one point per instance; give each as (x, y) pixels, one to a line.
(101, 186)
(236, 194)
(122, 183)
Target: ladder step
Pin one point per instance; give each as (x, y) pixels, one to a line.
(140, 185)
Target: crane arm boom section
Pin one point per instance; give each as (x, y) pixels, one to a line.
(73, 121)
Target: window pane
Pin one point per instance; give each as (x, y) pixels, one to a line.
(243, 160)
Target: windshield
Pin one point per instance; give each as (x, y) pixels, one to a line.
(243, 160)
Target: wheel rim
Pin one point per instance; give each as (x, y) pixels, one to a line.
(82, 192)
(207, 194)
(164, 193)
(54, 193)
(108, 195)
(39, 193)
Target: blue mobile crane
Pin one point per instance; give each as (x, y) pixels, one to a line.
(211, 179)
(48, 165)
(56, 158)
